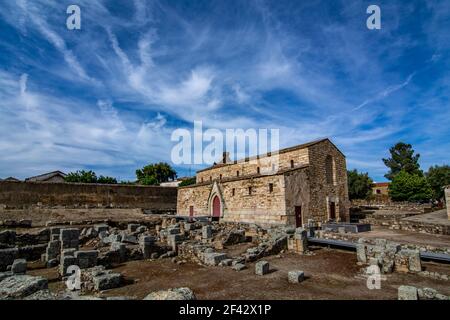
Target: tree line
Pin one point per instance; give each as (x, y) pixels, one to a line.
(407, 181)
(152, 174)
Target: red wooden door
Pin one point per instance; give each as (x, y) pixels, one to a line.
(191, 211)
(216, 207)
(298, 216)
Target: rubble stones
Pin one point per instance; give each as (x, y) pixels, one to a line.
(107, 281)
(214, 258)
(296, 276)
(98, 278)
(128, 238)
(154, 255)
(414, 261)
(234, 237)
(66, 262)
(132, 227)
(86, 259)
(206, 232)
(407, 293)
(141, 229)
(19, 266)
(407, 260)
(42, 295)
(7, 257)
(118, 251)
(262, 268)
(239, 267)
(69, 238)
(174, 231)
(172, 294)
(20, 286)
(101, 228)
(8, 237)
(52, 263)
(4, 275)
(226, 262)
(361, 253)
(53, 250)
(112, 238)
(146, 244)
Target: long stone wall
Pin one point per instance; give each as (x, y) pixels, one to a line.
(21, 195)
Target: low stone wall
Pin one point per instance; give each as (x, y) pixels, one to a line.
(391, 205)
(20, 195)
(423, 227)
(352, 238)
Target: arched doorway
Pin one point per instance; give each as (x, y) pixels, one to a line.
(216, 208)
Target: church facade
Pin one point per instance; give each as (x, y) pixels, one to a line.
(294, 186)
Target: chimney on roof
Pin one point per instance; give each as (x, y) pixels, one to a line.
(226, 157)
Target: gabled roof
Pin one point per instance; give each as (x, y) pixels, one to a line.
(10, 179)
(46, 176)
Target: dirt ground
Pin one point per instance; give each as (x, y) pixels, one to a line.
(330, 274)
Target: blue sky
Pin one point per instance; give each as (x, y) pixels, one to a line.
(107, 97)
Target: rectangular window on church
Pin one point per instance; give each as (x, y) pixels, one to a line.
(233, 192)
(249, 191)
(270, 187)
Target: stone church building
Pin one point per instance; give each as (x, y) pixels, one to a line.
(289, 187)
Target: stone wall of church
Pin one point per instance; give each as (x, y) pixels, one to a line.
(298, 193)
(267, 165)
(260, 206)
(322, 191)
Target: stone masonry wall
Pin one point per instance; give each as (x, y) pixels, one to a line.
(261, 206)
(282, 161)
(323, 192)
(298, 193)
(19, 195)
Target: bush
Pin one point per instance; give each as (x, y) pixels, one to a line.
(410, 187)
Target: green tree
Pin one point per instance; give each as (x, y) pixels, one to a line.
(438, 177)
(402, 158)
(410, 187)
(81, 176)
(153, 174)
(188, 182)
(106, 180)
(359, 185)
